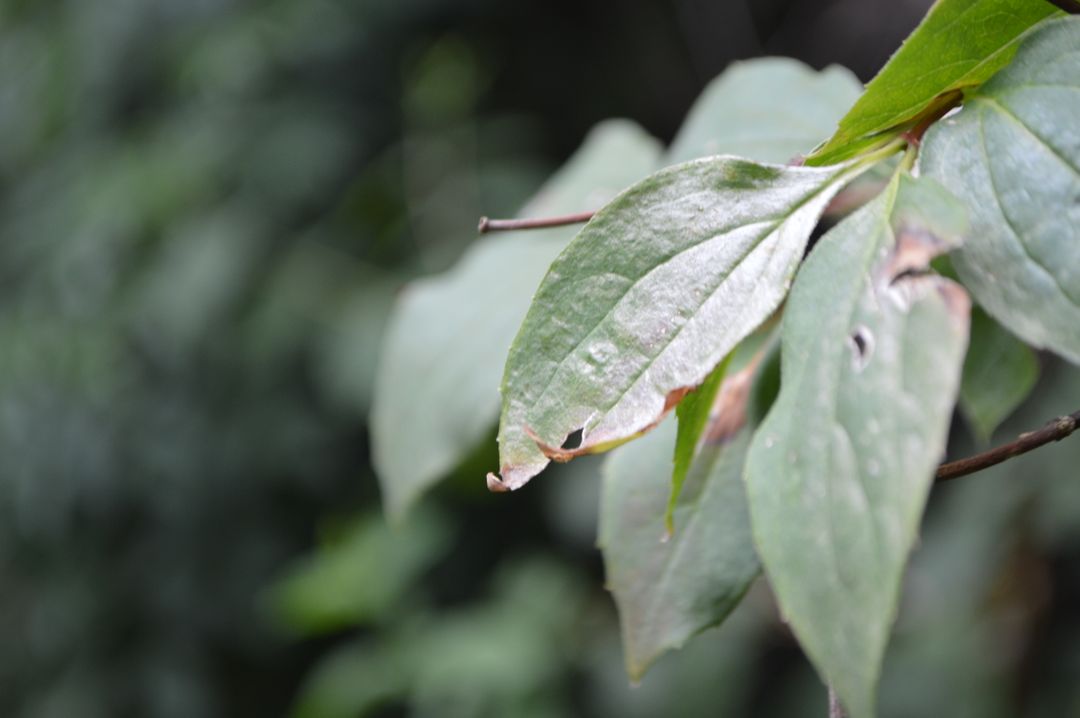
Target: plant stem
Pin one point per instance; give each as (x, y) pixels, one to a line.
(910, 154)
(1055, 430)
(507, 225)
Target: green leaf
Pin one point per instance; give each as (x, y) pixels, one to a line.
(436, 392)
(333, 690)
(358, 576)
(1013, 155)
(958, 45)
(648, 298)
(693, 416)
(999, 373)
(838, 472)
(500, 656)
(769, 109)
(695, 411)
(668, 591)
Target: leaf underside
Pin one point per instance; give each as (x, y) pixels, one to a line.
(668, 591)
(436, 391)
(1013, 155)
(958, 45)
(838, 472)
(770, 109)
(647, 300)
(999, 373)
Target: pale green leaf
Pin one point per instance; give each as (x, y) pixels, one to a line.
(999, 373)
(1013, 155)
(838, 473)
(668, 591)
(648, 298)
(959, 45)
(769, 109)
(701, 405)
(436, 391)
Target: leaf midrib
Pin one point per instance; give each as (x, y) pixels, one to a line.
(771, 228)
(997, 195)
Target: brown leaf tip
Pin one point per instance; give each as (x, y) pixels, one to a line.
(496, 485)
(728, 413)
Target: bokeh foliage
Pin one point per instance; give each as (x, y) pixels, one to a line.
(207, 209)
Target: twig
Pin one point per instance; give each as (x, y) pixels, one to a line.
(1055, 430)
(845, 200)
(507, 225)
(1068, 6)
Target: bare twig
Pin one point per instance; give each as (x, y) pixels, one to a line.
(507, 225)
(1055, 430)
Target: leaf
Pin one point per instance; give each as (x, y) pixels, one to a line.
(436, 389)
(358, 577)
(668, 591)
(838, 473)
(1012, 154)
(332, 689)
(501, 656)
(721, 400)
(692, 414)
(999, 373)
(769, 109)
(958, 45)
(646, 301)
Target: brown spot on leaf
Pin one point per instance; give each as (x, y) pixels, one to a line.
(728, 413)
(957, 301)
(911, 256)
(674, 397)
(905, 274)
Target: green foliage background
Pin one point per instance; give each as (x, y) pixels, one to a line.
(207, 208)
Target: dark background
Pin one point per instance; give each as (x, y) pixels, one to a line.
(206, 209)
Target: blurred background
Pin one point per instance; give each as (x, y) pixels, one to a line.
(206, 210)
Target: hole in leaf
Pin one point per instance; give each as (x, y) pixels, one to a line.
(911, 273)
(573, 440)
(862, 347)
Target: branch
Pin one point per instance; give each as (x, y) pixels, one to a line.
(1068, 6)
(507, 225)
(1055, 430)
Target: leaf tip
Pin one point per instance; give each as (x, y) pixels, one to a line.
(496, 485)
